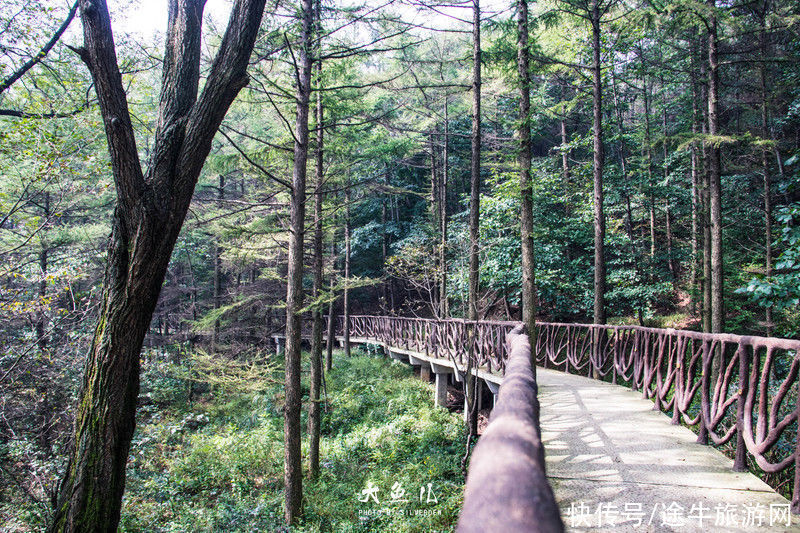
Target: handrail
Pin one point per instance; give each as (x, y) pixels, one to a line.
(730, 388)
(507, 489)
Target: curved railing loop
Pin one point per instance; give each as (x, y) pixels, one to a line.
(733, 389)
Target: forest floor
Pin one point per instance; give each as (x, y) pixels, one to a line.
(390, 459)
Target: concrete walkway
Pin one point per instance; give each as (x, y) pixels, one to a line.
(617, 465)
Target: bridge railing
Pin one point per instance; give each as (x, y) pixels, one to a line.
(507, 489)
(448, 339)
(736, 391)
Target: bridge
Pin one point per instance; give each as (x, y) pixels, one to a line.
(628, 423)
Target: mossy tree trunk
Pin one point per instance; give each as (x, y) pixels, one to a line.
(148, 217)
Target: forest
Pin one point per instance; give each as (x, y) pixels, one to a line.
(170, 201)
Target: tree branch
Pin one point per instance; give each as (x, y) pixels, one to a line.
(227, 77)
(29, 64)
(101, 58)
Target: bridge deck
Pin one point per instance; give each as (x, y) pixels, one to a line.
(606, 446)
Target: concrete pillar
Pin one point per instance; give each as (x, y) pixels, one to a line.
(441, 390)
(495, 388)
(425, 373)
(441, 383)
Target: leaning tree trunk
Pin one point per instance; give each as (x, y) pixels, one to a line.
(525, 188)
(148, 217)
(292, 465)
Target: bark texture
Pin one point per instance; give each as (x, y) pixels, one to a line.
(475, 168)
(292, 465)
(314, 413)
(524, 161)
(148, 217)
(597, 172)
(715, 171)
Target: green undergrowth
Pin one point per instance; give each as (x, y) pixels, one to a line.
(217, 464)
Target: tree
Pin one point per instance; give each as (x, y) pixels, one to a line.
(314, 412)
(524, 161)
(150, 211)
(714, 177)
(471, 383)
(292, 468)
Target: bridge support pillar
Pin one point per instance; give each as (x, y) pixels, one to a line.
(495, 388)
(441, 390)
(441, 383)
(425, 373)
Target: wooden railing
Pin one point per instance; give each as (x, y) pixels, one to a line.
(736, 391)
(448, 339)
(507, 489)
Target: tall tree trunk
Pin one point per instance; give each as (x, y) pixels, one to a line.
(597, 171)
(474, 213)
(715, 187)
(667, 209)
(623, 165)
(384, 253)
(706, 202)
(41, 317)
(762, 72)
(475, 167)
(218, 264)
(41, 335)
(346, 291)
(393, 211)
(525, 187)
(292, 462)
(331, 308)
(648, 148)
(565, 152)
(435, 213)
(444, 311)
(147, 220)
(695, 178)
(314, 412)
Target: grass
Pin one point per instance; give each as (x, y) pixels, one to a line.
(217, 465)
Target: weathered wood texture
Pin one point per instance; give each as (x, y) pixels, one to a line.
(507, 489)
(148, 217)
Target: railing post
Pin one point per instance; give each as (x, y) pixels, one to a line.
(677, 379)
(740, 462)
(705, 384)
(796, 490)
